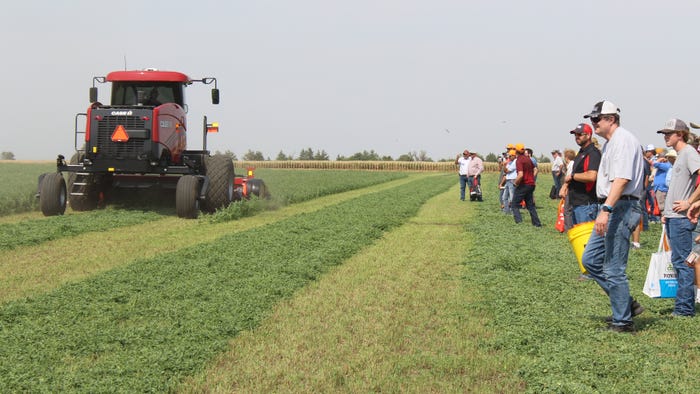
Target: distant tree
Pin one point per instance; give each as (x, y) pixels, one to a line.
(306, 154)
(7, 156)
(365, 156)
(422, 156)
(227, 153)
(321, 155)
(492, 158)
(406, 157)
(387, 158)
(282, 157)
(543, 159)
(253, 156)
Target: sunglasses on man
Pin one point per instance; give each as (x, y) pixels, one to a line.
(597, 119)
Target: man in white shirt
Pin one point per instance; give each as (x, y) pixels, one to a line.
(557, 170)
(463, 162)
(619, 186)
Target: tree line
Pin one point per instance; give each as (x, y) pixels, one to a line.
(321, 155)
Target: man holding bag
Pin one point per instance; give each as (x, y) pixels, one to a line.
(618, 187)
(679, 228)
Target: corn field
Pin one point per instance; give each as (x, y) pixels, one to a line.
(369, 165)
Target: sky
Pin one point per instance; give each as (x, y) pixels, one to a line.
(393, 76)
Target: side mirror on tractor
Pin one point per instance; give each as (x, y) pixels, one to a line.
(93, 94)
(215, 96)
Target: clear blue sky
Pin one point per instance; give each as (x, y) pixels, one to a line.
(347, 76)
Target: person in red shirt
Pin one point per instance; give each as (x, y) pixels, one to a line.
(524, 186)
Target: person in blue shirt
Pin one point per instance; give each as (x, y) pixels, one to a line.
(663, 167)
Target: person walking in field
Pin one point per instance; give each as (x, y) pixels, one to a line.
(524, 187)
(679, 228)
(619, 186)
(463, 162)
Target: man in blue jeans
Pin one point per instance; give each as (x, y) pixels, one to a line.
(579, 186)
(463, 170)
(619, 185)
(524, 187)
(679, 228)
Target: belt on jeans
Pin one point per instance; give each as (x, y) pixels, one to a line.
(628, 198)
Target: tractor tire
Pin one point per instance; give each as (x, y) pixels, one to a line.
(219, 169)
(82, 188)
(187, 197)
(52, 197)
(257, 187)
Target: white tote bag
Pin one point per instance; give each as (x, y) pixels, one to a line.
(662, 280)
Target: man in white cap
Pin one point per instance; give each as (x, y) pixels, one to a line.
(679, 228)
(619, 185)
(463, 162)
(557, 171)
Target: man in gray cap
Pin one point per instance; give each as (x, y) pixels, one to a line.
(619, 185)
(678, 227)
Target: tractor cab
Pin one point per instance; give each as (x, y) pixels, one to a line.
(147, 93)
(148, 87)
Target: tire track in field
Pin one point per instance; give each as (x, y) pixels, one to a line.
(33, 270)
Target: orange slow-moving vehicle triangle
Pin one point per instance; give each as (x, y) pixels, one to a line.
(120, 134)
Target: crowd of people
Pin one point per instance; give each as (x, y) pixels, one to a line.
(621, 187)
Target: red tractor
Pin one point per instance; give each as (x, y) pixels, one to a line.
(139, 141)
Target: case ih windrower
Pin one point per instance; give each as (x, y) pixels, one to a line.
(139, 141)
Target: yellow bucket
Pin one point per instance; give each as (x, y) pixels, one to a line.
(578, 237)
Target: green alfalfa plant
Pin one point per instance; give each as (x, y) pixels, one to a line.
(146, 325)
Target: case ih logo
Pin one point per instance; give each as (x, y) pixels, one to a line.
(122, 113)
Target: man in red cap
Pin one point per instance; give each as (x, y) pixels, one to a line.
(579, 186)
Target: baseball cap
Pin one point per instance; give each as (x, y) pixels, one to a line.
(604, 107)
(582, 128)
(511, 152)
(510, 146)
(519, 147)
(650, 147)
(671, 152)
(673, 125)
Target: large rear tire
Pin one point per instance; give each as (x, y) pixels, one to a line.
(187, 197)
(219, 169)
(83, 194)
(52, 198)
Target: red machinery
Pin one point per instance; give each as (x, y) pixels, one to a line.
(137, 141)
(249, 185)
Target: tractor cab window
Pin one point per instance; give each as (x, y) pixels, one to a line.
(146, 93)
